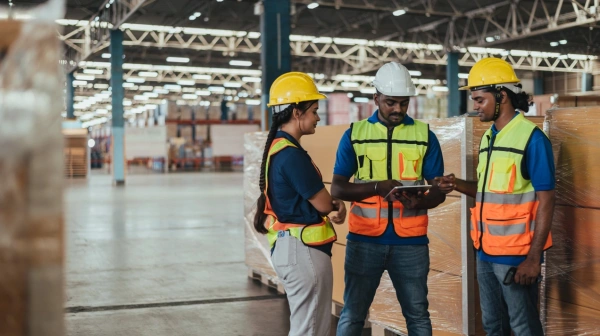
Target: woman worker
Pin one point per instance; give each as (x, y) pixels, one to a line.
(293, 206)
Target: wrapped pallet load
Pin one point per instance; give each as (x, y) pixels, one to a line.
(31, 175)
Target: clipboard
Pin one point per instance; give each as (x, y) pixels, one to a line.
(411, 189)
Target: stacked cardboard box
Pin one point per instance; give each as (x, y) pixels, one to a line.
(338, 109)
(573, 263)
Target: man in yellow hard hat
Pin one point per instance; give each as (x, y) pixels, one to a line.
(510, 223)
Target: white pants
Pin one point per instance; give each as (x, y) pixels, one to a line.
(307, 277)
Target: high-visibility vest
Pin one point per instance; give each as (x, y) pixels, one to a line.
(384, 154)
(310, 234)
(503, 219)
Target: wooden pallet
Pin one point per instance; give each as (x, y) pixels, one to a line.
(266, 280)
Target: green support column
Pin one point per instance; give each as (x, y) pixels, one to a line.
(118, 122)
(276, 54)
(70, 96)
(452, 82)
(538, 84)
(587, 83)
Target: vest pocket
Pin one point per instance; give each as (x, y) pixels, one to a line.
(503, 175)
(408, 162)
(373, 165)
(508, 232)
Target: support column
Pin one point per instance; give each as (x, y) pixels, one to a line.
(452, 80)
(70, 96)
(275, 57)
(118, 122)
(538, 84)
(587, 83)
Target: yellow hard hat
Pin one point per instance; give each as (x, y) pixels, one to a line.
(292, 88)
(490, 71)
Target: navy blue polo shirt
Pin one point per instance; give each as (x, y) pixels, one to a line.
(293, 180)
(346, 165)
(539, 158)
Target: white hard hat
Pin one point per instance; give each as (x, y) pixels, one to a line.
(393, 79)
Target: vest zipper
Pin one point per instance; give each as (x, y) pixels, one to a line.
(487, 167)
(389, 173)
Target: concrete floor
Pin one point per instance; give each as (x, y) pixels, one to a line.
(163, 255)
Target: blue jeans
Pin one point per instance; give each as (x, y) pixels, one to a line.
(407, 265)
(507, 307)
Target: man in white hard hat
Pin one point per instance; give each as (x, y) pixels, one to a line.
(387, 150)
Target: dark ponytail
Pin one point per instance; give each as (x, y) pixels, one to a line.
(278, 120)
(518, 100)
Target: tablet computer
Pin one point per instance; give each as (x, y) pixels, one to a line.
(410, 189)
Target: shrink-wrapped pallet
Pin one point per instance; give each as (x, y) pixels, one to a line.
(31, 176)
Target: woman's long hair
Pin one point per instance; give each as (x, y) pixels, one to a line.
(279, 119)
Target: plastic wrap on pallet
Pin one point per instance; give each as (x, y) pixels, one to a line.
(31, 175)
(258, 254)
(444, 232)
(571, 304)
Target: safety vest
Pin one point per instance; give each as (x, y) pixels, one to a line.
(310, 234)
(384, 154)
(503, 219)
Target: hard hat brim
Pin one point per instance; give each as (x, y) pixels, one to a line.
(316, 96)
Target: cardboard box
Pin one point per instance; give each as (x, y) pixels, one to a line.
(574, 134)
(337, 261)
(322, 148)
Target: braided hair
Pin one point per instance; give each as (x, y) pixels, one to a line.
(278, 120)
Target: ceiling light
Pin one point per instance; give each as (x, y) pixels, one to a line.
(188, 89)
(128, 85)
(192, 17)
(151, 74)
(93, 71)
(105, 55)
(85, 77)
(440, 88)
(361, 99)
(251, 79)
(216, 89)
(202, 77)
(253, 102)
(79, 82)
(313, 5)
(100, 86)
(161, 91)
(197, 14)
(350, 95)
(146, 88)
(203, 93)
(326, 88)
(219, 0)
(350, 84)
(519, 53)
(553, 44)
(189, 96)
(140, 97)
(151, 94)
(399, 12)
(172, 87)
(150, 106)
(368, 91)
(232, 85)
(463, 75)
(127, 103)
(240, 63)
(178, 59)
(414, 73)
(186, 82)
(490, 39)
(135, 80)
(102, 111)
(562, 41)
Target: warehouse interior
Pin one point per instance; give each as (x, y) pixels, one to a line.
(132, 133)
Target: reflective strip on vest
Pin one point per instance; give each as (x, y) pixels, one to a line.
(312, 234)
(383, 156)
(506, 203)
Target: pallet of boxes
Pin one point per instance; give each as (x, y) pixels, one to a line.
(570, 300)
